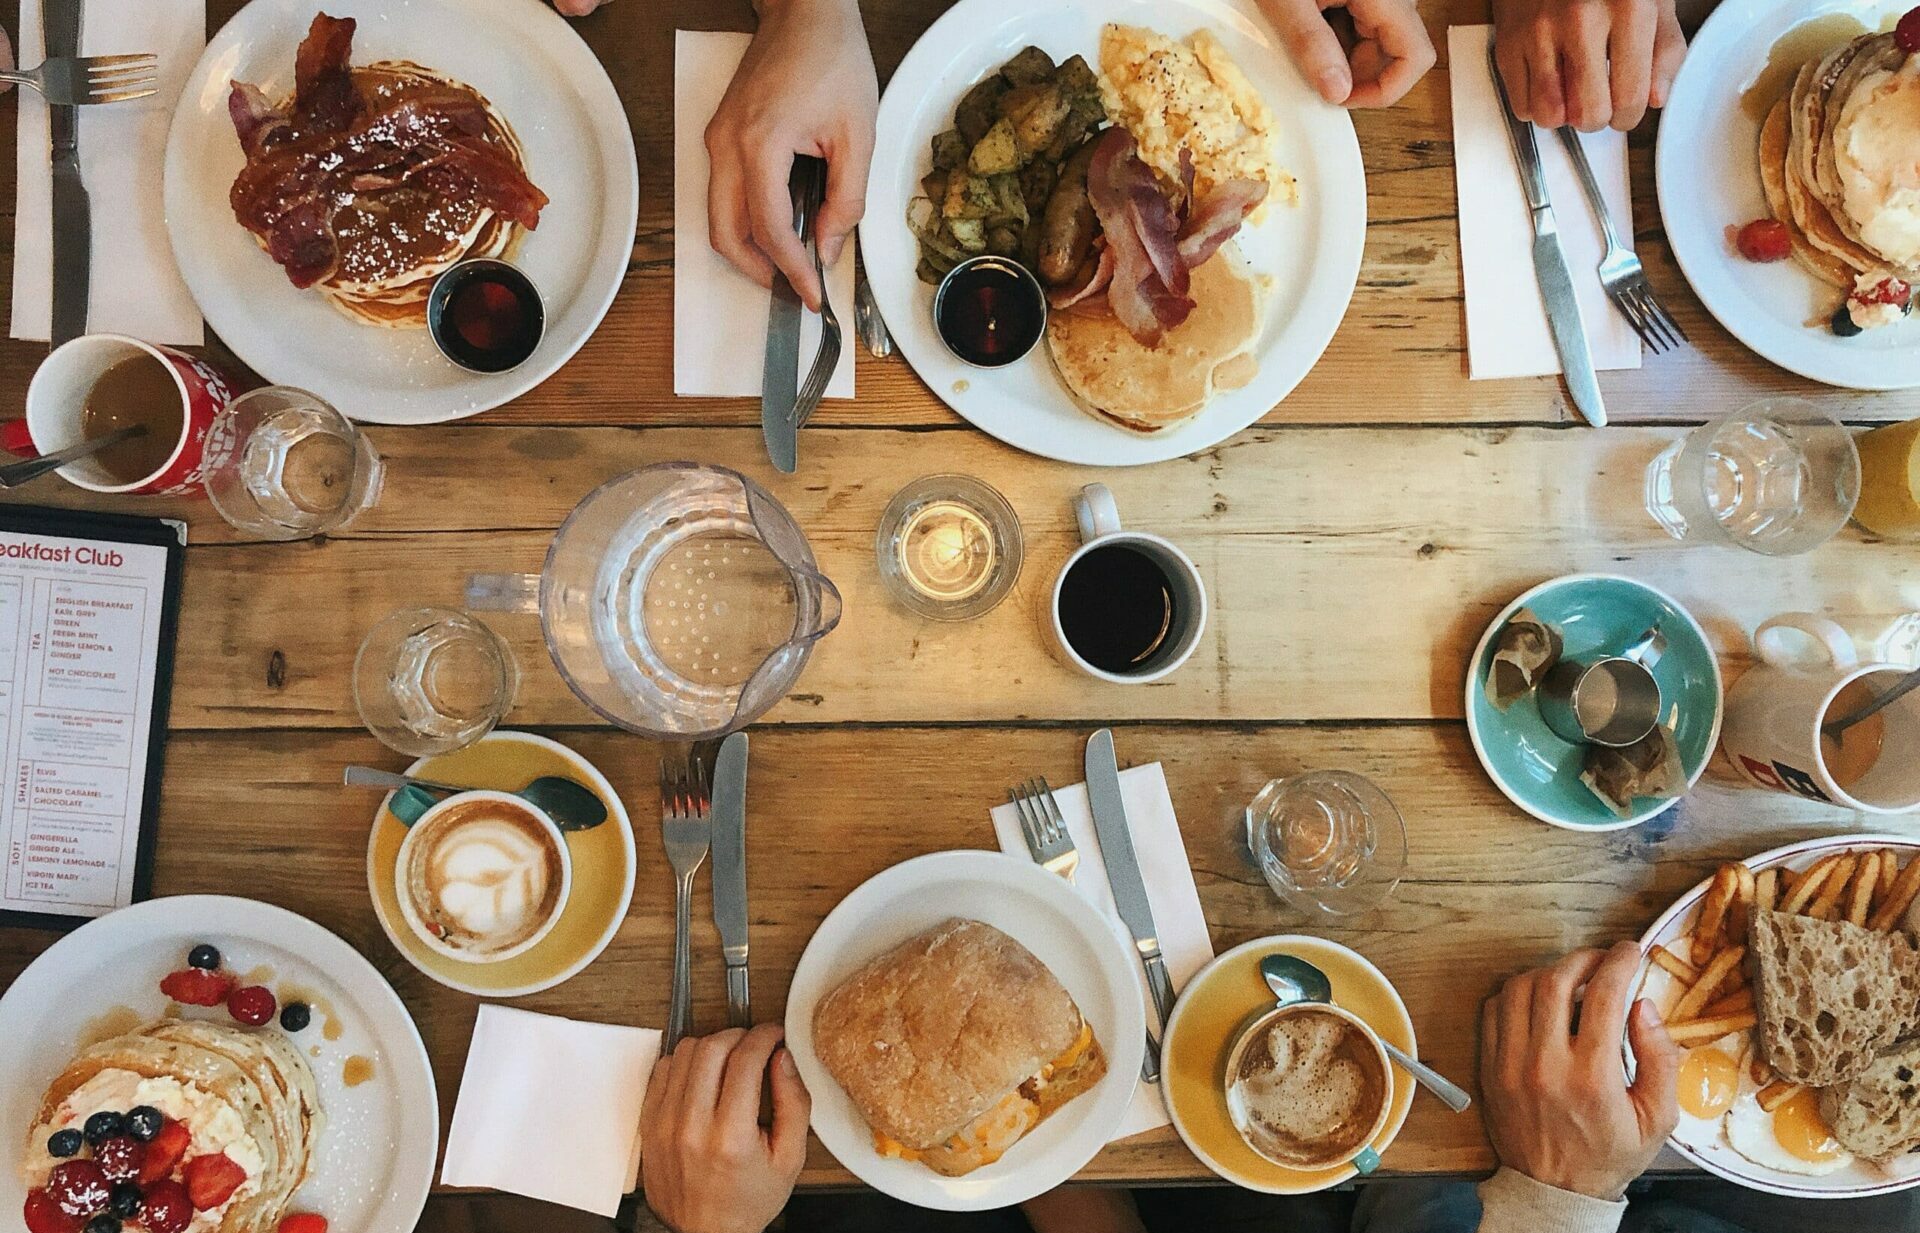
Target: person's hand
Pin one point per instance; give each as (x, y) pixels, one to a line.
(1588, 63)
(805, 86)
(706, 1164)
(1557, 1104)
(577, 8)
(1391, 50)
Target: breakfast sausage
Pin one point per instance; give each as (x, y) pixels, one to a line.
(1067, 225)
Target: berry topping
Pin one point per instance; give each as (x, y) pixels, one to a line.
(1886, 291)
(204, 957)
(252, 1005)
(211, 1180)
(1842, 322)
(125, 1200)
(295, 1016)
(1907, 33)
(144, 1122)
(103, 1126)
(166, 1208)
(103, 1223)
(65, 1143)
(120, 1158)
(165, 1152)
(43, 1215)
(79, 1187)
(1765, 239)
(197, 987)
(303, 1222)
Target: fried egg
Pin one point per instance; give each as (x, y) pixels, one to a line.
(1709, 1082)
(1794, 1138)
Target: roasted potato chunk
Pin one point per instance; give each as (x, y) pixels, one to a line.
(998, 152)
(979, 109)
(1037, 113)
(969, 233)
(949, 150)
(1030, 66)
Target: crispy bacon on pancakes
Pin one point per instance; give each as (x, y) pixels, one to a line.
(370, 182)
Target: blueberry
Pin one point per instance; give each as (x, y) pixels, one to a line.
(104, 1126)
(295, 1016)
(65, 1143)
(203, 956)
(144, 1122)
(126, 1200)
(103, 1223)
(1843, 323)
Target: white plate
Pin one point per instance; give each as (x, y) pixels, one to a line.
(1709, 179)
(374, 1162)
(1857, 1180)
(1312, 250)
(531, 65)
(1043, 914)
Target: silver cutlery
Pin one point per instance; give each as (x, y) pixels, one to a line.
(1045, 828)
(730, 872)
(72, 210)
(1620, 270)
(787, 402)
(1550, 267)
(1900, 689)
(27, 470)
(78, 81)
(686, 831)
(1123, 876)
(867, 322)
(1293, 979)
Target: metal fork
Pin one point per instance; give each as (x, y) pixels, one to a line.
(1045, 828)
(1620, 271)
(76, 81)
(814, 388)
(686, 832)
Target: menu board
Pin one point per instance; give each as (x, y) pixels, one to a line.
(88, 612)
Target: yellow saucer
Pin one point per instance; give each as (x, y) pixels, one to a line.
(603, 869)
(1205, 1021)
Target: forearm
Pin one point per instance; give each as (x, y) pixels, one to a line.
(1512, 1202)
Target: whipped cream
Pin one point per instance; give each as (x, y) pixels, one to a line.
(1877, 155)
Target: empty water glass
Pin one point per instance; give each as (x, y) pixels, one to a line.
(281, 464)
(1330, 843)
(432, 680)
(1780, 477)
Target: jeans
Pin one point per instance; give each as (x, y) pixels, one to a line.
(1658, 1207)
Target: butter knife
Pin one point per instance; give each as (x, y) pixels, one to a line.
(1123, 876)
(72, 211)
(1550, 267)
(780, 369)
(730, 871)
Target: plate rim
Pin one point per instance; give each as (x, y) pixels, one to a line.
(1473, 719)
(1772, 858)
(622, 190)
(984, 867)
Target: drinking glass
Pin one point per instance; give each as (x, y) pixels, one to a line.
(432, 680)
(283, 465)
(1328, 842)
(949, 547)
(1780, 477)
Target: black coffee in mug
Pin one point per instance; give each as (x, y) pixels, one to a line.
(1119, 609)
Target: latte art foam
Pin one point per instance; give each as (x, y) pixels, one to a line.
(1309, 1089)
(484, 877)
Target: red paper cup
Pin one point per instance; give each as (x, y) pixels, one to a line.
(58, 395)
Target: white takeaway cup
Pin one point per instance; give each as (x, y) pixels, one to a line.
(1774, 714)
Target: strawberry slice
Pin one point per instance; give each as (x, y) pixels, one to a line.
(44, 1215)
(211, 1180)
(303, 1222)
(166, 1208)
(197, 987)
(1907, 33)
(164, 1152)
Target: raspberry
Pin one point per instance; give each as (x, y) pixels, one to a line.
(303, 1222)
(166, 1208)
(1765, 239)
(164, 1152)
(254, 1005)
(1907, 33)
(79, 1187)
(211, 1180)
(197, 987)
(43, 1215)
(120, 1158)
(1886, 291)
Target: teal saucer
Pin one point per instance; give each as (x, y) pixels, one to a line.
(1596, 614)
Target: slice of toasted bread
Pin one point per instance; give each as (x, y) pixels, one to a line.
(1877, 1115)
(1832, 995)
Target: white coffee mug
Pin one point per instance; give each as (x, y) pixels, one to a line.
(1775, 711)
(1099, 518)
(409, 911)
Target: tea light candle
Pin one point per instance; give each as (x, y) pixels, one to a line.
(949, 547)
(946, 551)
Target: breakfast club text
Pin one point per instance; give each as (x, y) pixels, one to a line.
(62, 554)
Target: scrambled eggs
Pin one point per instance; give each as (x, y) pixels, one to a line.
(1171, 95)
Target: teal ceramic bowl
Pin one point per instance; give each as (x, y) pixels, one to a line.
(1597, 614)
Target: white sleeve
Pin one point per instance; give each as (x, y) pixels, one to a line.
(1512, 1202)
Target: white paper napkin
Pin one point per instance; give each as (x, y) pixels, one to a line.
(549, 1108)
(719, 314)
(136, 287)
(1171, 892)
(1507, 332)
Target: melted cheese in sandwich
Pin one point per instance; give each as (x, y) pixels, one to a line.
(986, 1138)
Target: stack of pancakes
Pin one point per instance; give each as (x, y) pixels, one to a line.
(1836, 160)
(259, 1076)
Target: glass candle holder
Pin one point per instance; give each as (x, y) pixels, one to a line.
(949, 547)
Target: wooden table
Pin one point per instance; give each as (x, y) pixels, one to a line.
(1356, 541)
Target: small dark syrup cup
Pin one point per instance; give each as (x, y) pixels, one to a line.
(486, 316)
(990, 311)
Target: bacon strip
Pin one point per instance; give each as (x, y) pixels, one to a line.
(1217, 217)
(1094, 276)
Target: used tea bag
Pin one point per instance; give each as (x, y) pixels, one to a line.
(1650, 767)
(1522, 654)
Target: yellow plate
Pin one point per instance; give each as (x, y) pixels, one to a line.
(1209, 1014)
(603, 868)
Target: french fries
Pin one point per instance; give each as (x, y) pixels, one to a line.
(1889, 871)
(1710, 925)
(1766, 888)
(1827, 905)
(1674, 966)
(1700, 1031)
(1866, 880)
(1807, 886)
(1696, 998)
(1777, 1093)
(1758, 1068)
(1904, 888)
(1729, 1004)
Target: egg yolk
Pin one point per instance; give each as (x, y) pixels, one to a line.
(1800, 1129)
(1708, 1081)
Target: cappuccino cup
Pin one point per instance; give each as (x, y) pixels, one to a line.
(483, 876)
(1309, 1087)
